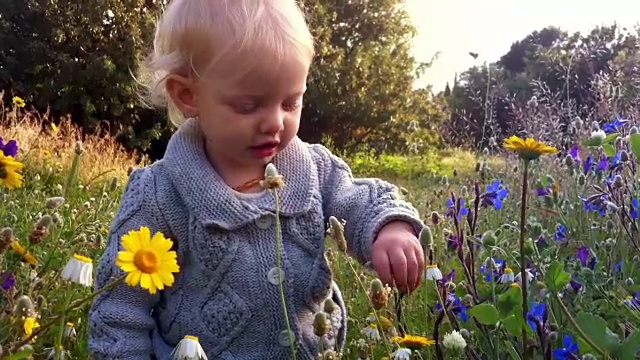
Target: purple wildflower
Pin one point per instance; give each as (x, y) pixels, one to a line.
(10, 148)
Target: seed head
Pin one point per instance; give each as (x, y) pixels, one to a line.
(489, 238)
(114, 184)
(321, 324)
(624, 156)
(272, 180)
(336, 231)
(24, 307)
(79, 148)
(330, 306)
(6, 237)
(582, 180)
(435, 218)
(54, 202)
(426, 237)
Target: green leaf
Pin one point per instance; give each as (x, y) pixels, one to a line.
(486, 314)
(556, 278)
(630, 347)
(510, 302)
(513, 324)
(634, 139)
(609, 150)
(595, 328)
(25, 353)
(592, 142)
(610, 138)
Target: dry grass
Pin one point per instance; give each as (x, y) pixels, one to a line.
(40, 143)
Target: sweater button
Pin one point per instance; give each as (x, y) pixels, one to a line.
(264, 222)
(274, 275)
(284, 338)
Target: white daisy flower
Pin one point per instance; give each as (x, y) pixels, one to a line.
(433, 273)
(529, 275)
(70, 330)
(507, 276)
(402, 354)
(188, 349)
(79, 270)
(372, 332)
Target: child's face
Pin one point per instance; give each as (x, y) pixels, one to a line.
(249, 119)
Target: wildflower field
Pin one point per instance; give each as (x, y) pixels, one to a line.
(532, 251)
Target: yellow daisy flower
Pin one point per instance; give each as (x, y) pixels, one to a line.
(15, 246)
(412, 341)
(18, 102)
(528, 149)
(10, 172)
(148, 260)
(30, 324)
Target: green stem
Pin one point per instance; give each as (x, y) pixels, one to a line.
(523, 266)
(63, 316)
(577, 328)
(280, 274)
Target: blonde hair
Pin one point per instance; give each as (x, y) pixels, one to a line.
(194, 35)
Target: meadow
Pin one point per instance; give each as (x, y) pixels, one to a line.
(568, 221)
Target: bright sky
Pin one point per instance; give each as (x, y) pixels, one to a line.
(489, 27)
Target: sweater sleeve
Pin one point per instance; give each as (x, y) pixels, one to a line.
(120, 320)
(365, 204)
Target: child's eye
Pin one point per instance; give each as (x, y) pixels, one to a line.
(245, 108)
(292, 105)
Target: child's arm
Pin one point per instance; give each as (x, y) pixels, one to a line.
(120, 319)
(366, 205)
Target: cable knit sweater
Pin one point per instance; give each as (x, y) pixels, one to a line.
(227, 291)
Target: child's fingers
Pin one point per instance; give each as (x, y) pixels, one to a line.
(420, 269)
(399, 261)
(382, 266)
(412, 270)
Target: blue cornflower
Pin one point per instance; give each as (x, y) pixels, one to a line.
(575, 153)
(596, 203)
(615, 125)
(633, 301)
(588, 164)
(494, 194)
(9, 282)
(492, 272)
(456, 307)
(462, 211)
(10, 148)
(537, 314)
(586, 258)
(569, 351)
(634, 208)
(561, 233)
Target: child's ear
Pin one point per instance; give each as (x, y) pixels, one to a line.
(181, 91)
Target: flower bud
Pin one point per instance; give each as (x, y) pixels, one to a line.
(582, 180)
(569, 161)
(624, 156)
(629, 282)
(54, 202)
(465, 333)
(589, 357)
(321, 324)
(552, 337)
(435, 218)
(79, 148)
(633, 130)
(489, 238)
(330, 306)
(426, 237)
(24, 307)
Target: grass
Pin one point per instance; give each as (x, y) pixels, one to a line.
(485, 312)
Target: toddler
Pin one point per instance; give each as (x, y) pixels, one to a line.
(232, 74)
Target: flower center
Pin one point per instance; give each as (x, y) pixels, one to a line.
(147, 261)
(3, 171)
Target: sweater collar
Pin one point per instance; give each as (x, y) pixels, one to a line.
(214, 203)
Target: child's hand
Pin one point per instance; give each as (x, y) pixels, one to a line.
(398, 257)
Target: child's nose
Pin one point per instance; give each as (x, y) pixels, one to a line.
(273, 122)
